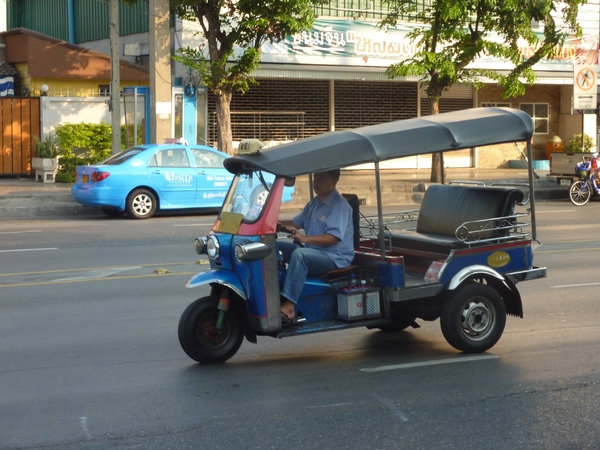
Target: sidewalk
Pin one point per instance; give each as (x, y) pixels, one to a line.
(25, 198)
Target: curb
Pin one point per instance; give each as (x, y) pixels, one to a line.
(46, 205)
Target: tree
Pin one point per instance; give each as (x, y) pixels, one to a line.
(453, 33)
(234, 32)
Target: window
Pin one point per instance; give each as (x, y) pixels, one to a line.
(496, 104)
(540, 112)
(205, 158)
(169, 158)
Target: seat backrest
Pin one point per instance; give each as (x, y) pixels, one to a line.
(354, 203)
(446, 207)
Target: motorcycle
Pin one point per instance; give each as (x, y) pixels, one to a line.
(587, 184)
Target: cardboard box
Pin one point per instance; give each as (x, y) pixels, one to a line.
(359, 303)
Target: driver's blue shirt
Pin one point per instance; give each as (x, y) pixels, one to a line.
(333, 216)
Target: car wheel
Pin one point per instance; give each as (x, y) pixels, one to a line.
(199, 337)
(473, 318)
(259, 195)
(112, 212)
(141, 204)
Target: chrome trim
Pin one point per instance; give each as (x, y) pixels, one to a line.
(526, 275)
(465, 273)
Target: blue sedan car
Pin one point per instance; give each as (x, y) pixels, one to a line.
(147, 178)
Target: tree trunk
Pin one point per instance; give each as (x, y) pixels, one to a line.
(224, 133)
(436, 158)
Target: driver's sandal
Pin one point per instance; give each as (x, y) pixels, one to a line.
(287, 321)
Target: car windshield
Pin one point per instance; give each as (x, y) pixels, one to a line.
(248, 194)
(121, 157)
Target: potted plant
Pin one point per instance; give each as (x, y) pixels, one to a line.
(45, 160)
(579, 144)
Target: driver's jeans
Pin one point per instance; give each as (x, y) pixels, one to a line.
(301, 262)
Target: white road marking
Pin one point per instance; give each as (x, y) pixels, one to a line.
(329, 406)
(429, 363)
(397, 412)
(193, 224)
(101, 273)
(20, 231)
(28, 249)
(555, 211)
(561, 286)
(83, 421)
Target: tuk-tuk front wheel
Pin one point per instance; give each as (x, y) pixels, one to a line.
(473, 318)
(199, 336)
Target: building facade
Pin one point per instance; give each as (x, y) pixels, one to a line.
(331, 77)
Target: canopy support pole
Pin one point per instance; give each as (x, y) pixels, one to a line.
(531, 190)
(379, 210)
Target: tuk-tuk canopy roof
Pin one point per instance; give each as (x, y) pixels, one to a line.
(441, 132)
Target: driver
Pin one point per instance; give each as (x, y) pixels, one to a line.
(328, 241)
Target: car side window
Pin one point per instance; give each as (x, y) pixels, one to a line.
(176, 157)
(206, 158)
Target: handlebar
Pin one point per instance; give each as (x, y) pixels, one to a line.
(282, 229)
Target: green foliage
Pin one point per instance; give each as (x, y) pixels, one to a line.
(80, 145)
(127, 136)
(67, 165)
(46, 148)
(574, 144)
(243, 24)
(85, 138)
(456, 33)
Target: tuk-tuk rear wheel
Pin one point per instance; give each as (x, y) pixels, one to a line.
(199, 336)
(473, 318)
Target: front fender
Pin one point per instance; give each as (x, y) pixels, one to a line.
(222, 277)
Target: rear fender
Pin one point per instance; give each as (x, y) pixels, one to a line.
(506, 288)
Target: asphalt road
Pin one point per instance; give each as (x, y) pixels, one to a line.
(90, 358)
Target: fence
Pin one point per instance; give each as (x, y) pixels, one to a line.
(19, 123)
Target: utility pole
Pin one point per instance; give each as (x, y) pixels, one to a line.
(160, 70)
(115, 77)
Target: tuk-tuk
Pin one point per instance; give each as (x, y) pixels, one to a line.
(457, 258)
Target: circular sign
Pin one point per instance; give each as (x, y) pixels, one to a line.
(586, 79)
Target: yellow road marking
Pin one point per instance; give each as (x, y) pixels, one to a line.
(124, 277)
(95, 268)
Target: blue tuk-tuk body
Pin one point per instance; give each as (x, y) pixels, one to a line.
(458, 258)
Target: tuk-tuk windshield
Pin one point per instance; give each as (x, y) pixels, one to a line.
(248, 194)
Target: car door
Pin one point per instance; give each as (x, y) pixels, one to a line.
(173, 177)
(212, 180)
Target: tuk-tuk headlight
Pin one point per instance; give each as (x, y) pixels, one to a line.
(251, 251)
(200, 245)
(213, 248)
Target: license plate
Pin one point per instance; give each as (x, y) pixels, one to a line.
(85, 178)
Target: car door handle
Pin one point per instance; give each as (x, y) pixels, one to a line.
(155, 172)
(202, 172)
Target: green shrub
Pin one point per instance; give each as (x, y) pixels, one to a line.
(94, 139)
(574, 144)
(84, 144)
(81, 144)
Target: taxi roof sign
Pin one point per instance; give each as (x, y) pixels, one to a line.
(176, 141)
(249, 147)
